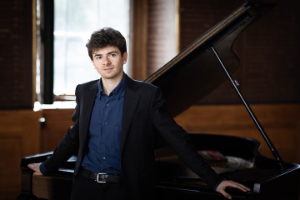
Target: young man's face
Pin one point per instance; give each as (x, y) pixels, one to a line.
(109, 62)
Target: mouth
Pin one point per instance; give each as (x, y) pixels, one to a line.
(108, 69)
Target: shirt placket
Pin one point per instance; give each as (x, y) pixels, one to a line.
(106, 125)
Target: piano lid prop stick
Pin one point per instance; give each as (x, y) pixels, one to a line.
(260, 128)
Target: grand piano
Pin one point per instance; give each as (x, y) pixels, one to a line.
(196, 71)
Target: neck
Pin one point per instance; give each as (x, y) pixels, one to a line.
(108, 85)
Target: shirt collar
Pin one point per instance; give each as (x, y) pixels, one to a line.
(117, 92)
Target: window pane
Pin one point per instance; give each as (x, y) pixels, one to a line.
(75, 21)
(82, 15)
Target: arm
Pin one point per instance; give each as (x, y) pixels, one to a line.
(179, 140)
(66, 148)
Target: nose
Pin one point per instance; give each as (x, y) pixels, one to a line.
(106, 60)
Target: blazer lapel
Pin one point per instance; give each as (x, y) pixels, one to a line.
(88, 99)
(131, 100)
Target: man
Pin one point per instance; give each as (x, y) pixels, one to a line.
(116, 123)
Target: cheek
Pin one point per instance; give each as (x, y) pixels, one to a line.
(98, 69)
(96, 64)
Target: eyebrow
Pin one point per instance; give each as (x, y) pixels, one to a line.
(107, 53)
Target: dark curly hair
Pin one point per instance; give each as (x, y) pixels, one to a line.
(106, 37)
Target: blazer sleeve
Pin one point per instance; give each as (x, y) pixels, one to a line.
(68, 145)
(179, 140)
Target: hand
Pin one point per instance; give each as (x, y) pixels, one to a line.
(36, 168)
(224, 184)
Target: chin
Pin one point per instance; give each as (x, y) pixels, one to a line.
(109, 76)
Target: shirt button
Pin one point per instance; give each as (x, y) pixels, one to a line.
(103, 158)
(107, 104)
(105, 123)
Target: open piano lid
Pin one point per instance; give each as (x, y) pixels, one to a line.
(195, 72)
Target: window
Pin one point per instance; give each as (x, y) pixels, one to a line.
(74, 22)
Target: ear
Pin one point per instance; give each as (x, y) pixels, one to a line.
(125, 55)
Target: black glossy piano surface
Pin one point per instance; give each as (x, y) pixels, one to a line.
(195, 72)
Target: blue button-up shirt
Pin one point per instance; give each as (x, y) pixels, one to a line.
(103, 153)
